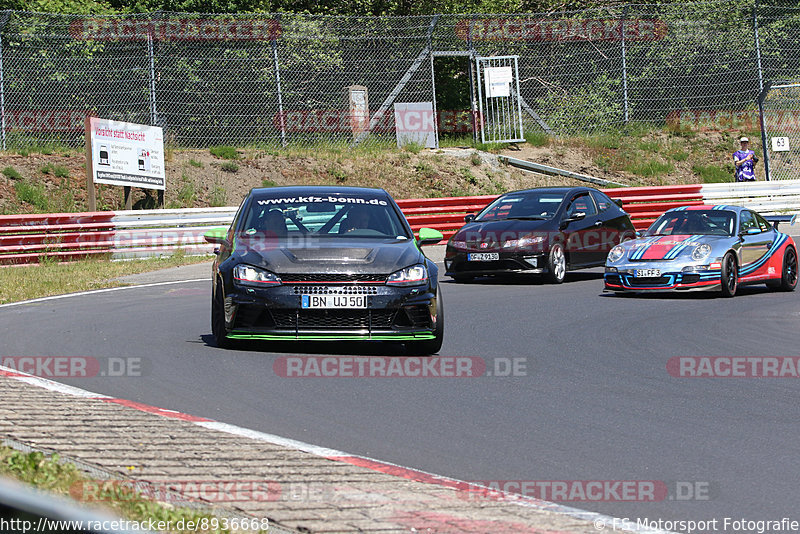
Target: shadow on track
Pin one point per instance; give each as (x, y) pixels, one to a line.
(352, 348)
(525, 279)
(742, 292)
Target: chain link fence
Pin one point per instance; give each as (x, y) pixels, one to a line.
(278, 80)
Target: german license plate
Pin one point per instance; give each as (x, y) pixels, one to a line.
(333, 301)
(647, 273)
(483, 256)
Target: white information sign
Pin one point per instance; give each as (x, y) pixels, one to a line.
(498, 81)
(127, 154)
(780, 144)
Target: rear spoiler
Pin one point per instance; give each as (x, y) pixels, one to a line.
(777, 219)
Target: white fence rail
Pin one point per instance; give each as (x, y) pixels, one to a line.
(768, 198)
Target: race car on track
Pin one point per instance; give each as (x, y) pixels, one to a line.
(325, 263)
(541, 231)
(710, 248)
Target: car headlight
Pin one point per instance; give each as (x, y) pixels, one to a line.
(460, 245)
(701, 252)
(410, 276)
(522, 242)
(616, 253)
(253, 276)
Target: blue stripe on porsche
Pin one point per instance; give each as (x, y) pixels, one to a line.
(672, 254)
(757, 264)
(640, 252)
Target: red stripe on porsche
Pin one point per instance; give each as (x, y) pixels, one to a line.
(660, 248)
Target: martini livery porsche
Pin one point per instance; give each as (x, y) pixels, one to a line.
(325, 263)
(712, 248)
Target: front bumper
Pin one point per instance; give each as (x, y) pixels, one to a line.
(457, 263)
(275, 313)
(673, 278)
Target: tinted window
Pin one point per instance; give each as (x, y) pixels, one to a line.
(533, 205)
(762, 222)
(582, 203)
(694, 222)
(325, 215)
(603, 202)
(747, 221)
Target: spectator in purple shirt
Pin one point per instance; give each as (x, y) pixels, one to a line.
(743, 160)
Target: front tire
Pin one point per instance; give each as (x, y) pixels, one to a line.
(788, 281)
(730, 275)
(218, 326)
(556, 264)
(431, 346)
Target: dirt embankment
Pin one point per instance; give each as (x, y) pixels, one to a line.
(55, 181)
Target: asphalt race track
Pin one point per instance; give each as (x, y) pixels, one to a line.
(595, 403)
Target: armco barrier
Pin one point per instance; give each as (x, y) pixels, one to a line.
(131, 234)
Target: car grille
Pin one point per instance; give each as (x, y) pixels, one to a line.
(303, 319)
(649, 281)
(336, 290)
(297, 278)
(690, 278)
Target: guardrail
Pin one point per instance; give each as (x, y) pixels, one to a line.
(132, 234)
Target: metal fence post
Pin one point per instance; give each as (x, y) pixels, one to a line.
(276, 66)
(3, 22)
(762, 95)
(624, 69)
(758, 47)
(151, 60)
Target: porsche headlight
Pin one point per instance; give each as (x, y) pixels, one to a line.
(460, 245)
(410, 276)
(253, 276)
(701, 252)
(616, 253)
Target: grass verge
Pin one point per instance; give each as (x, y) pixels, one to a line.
(63, 478)
(51, 278)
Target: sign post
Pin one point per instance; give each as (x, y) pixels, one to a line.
(90, 194)
(123, 154)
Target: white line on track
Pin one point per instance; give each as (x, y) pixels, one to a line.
(106, 290)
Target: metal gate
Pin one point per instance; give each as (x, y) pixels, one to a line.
(780, 126)
(500, 110)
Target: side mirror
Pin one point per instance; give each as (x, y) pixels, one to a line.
(617, 201)
(751, 231)
(469, 218)
(429, 236)
(577, 216)
(217, 236)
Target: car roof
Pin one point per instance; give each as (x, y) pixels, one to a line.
(318, 190)
(563, 189)
(707, 207)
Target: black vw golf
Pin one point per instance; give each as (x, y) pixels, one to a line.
(543, 231)
(325, 263)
